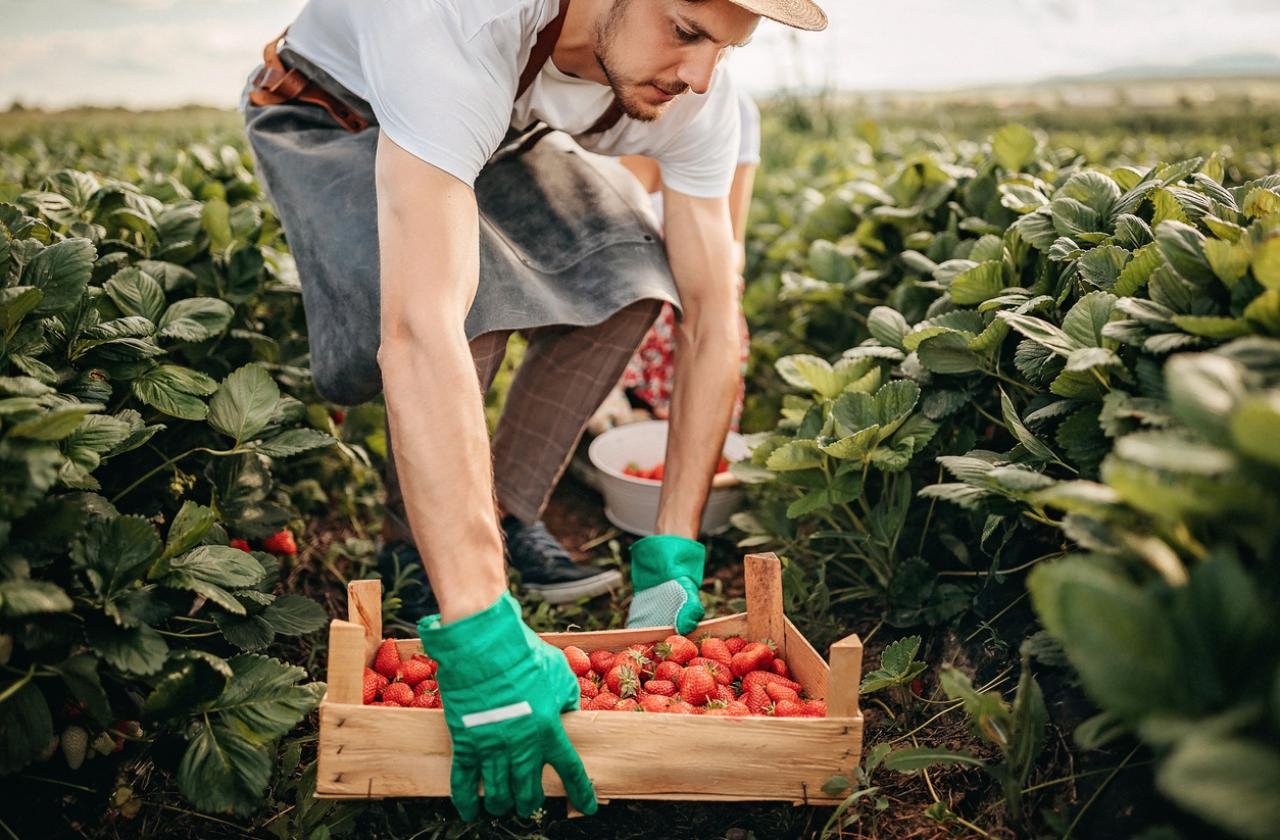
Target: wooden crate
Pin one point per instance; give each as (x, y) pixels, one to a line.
(377, 751)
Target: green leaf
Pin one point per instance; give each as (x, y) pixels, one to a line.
(1013, 147)
(1041, 332)
(23, 597)
(982, 282)
(1266, 263)
(26, 727)
(1213, 326)
(915, 759)
(211, 570)
(1102, 266)
(196, 319)
(1183, 248)
(215, 218)
(189, 526)
(887, 326)
(795, 455)
(295, 615)
(16, 303)
(264, 697)
(80, 673)
(136, 293)
(1229, 260)
(295, 441)
(1254, 424)
(1030, 442)
(854, 447)
(136, 650)
(244, 403)
(1084, 323)
(1138, 270)
(808, 503)
(248, 632)
(53, 425)
(1230, 782)
(62, 273)
(175, 390)
(191, 679)
(223, 770)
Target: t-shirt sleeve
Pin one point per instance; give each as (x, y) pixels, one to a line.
(749, 117)
(700, 156)
(440, 93)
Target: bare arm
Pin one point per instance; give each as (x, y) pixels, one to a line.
(744, 179)
(699, 238)
(428, 237)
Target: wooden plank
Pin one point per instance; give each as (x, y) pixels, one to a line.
(846, 676)
(345, 675)
(807, 667)
(364, 607)
(763, 573)
(362, 755)
(729, 625)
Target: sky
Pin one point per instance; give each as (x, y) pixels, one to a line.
(155, 53)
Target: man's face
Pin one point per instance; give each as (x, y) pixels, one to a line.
(651, 51)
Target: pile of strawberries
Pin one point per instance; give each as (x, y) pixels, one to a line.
(728, 677)
(657, 472)
(392, 682)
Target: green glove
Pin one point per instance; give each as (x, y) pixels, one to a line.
(666, 572)
(503, 690)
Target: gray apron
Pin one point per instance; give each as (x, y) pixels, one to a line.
(565, 237)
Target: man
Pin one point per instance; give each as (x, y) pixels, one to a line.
(445, 80)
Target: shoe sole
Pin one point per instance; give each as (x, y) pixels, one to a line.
(567, 593)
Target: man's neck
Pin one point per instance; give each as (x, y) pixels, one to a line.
(575, 52)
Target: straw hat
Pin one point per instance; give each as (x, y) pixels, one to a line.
(802, 14)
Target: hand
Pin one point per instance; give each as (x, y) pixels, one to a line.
(666, 572)
(504, 690)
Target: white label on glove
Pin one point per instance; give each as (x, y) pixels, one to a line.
(501, 713)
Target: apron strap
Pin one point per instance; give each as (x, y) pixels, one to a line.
(541, 54)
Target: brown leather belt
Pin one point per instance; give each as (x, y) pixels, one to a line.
(276, 83)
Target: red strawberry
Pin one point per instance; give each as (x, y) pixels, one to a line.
(763, 678)
(398, 693)
(425, 700)
(587, 688)
(243, 545)
(755, 700)
(281, 542)
(659, 471)
(387, 660)
(603, 702)
(373, 684)
(622, 680)
(627, 704)
(698, 686)
(718, 669)
(788, 708)
(917, 687)
(780, 668)
(676, 649)
(664, 687)
(735, 644)
(417, 669)
(776, 692)
(725, 693)
(754, 656)
(713, 648)
(338, 415)
(815, 708)
(655, 703)
(668, 671)
(637, 659)
(425, 687)
(601, 661)
(578, 660)
(682, 707)
(723, 466)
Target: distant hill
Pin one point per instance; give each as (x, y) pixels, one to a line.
(1234, 65)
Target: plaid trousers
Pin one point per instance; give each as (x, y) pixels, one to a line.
(566, 373)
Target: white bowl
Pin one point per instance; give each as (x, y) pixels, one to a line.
(631, 503)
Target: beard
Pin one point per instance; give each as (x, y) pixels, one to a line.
(628, 90)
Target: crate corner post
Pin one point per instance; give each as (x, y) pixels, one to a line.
(763, 574)
(364, 608)
(845, 677)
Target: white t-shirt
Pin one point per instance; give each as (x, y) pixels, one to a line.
(441, 77)
(748, 149)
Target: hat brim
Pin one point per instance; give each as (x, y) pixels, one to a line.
(799, 14)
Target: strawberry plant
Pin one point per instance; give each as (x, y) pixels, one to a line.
(142, 423)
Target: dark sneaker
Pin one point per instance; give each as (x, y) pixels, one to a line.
(400, 566)
(547, 569)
